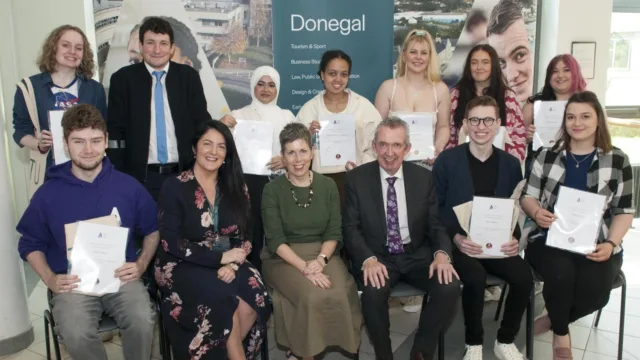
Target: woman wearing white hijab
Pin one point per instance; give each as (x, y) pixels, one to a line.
(265, 85)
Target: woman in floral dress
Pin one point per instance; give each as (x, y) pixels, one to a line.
(214, 303)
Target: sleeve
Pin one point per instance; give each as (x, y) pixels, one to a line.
(437, 235)
(441, 181)
(117, 118)
(306, 114)
(22, 124)
(101, 100)
(198, 100)
(147, 210)
(515, 128)
(534, 183)
(33, 228)
(357, 247)
(453, 131)
(623, 201)
(273, 227)
(171, 212)
(289, 117)
(334, 226)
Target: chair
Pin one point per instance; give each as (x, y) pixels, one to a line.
(620, 281)
(165, 345)
(107, 323)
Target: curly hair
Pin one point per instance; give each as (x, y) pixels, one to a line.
(80, 117)
(47, 60)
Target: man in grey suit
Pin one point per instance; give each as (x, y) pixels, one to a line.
(393, 233)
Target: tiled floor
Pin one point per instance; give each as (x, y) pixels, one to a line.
(588, 343)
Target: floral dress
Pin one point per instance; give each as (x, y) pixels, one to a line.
(197, 307)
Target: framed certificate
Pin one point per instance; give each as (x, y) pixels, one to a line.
(585, 54)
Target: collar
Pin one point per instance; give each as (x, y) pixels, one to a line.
(151, 70)
(399, 174)
(46, 77)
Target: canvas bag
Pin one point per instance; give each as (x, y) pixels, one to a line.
(38, 161)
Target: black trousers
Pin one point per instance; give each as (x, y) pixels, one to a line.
(438, 306)
(473, 274)
(574, 286)
(255, 185)
(154, 182)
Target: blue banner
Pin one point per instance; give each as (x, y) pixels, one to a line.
(304, 29)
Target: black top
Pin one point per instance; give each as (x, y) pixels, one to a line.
(484, 174)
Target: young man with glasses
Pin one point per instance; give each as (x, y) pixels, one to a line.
(473, 169)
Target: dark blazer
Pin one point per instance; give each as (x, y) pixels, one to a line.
(454, 184)
(364, 219)
(129, 121)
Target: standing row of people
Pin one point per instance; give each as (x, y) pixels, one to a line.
(396, 223)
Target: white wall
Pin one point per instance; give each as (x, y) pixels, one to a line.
(567, 21)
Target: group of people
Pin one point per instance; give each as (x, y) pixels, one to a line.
(236, 249)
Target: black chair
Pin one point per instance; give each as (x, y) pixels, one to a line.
(165, 345)
(619, 282)
(107, 323)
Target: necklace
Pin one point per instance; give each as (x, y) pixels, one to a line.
(295, 198)
(576, 160)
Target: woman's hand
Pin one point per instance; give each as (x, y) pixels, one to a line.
(350, 166)
(226, 274)
(511, 248)
(320, 280)
(276, 163)
(45, 141)
(544, 218)
(236, 255)
(229, 120)
(314, 127)
(602, 253)
(531, 129)
(313, 267)
(466, 246)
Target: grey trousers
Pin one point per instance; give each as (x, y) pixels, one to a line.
(77, 317)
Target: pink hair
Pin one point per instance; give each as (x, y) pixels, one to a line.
(578, 84)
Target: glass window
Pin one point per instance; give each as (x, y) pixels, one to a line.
(623, 73)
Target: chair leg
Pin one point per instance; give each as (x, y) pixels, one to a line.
(264, 349)
(597, 321)
(51, 334)
(46, 336)
(500, 302)
(441, 346)
(531, 308)
(623, 301)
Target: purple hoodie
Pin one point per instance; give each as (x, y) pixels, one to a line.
(65, 199)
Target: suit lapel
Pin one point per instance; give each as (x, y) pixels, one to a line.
(378, 201)
(173, 89)
(144, 84)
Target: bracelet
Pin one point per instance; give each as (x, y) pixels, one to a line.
(233, 266)
(612, 243)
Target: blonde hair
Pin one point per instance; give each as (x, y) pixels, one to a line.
(433, 68)
(47, 59)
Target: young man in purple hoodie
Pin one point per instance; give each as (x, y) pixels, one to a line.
(87, 187)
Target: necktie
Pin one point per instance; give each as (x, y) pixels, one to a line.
(393, 224)
(161, 132)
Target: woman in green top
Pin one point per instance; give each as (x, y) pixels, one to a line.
(315, 299)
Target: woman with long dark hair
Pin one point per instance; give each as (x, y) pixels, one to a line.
(576, 285)
(213, 300)
(482, 76)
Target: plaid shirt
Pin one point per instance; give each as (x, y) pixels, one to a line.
(609, 175)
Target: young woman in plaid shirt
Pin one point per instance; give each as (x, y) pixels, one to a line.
(576, 285)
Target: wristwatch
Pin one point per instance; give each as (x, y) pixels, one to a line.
(324, 257)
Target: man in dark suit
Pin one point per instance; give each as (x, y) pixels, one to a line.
(155, 108)
(393, 233)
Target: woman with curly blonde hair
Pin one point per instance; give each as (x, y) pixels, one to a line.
(66, 65)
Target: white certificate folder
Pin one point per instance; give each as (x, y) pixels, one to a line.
(98, 251)
(491, 224)
(579, 215)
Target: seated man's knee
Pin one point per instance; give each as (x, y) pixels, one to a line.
(373, 294)
(76, 334)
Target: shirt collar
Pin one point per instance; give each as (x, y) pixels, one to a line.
(151, 70)
(399, 174)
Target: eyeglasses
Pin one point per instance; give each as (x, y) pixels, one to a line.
(475, 121)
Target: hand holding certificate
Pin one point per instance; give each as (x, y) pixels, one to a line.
(491, 224)
(60, 155)
(337, 139)
(421, 134)
(254, 140)
(547, 117)
(98, 251)
(579, 214)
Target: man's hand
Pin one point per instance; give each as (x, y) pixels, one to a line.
(60, 284)
(467, 246)
(226, 274)
(130, 271)
(444, 268)
(375, 273)
(511, 248)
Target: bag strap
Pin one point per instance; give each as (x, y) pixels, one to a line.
(30, 101)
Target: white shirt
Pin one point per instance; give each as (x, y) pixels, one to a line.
(170, 130)
(403, 221)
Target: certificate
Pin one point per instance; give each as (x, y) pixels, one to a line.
(491, 224)
(337, 139)
(98, 251)
(579, 214)
(421, 135)
(547, 117)
(499, 140)
(60, 155)
(254, 141)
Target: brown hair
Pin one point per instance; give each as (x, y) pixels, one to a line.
(484, 100)
(80, 117)
(603, 137)
(293, 132)
(505, 13)
(47, 59)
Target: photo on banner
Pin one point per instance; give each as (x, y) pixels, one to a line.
(307, 28)
(457, 26)
(223, 40)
